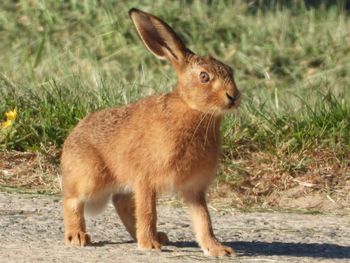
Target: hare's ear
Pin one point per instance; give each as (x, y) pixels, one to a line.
(158, 37)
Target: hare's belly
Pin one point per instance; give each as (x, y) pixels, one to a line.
(167, 171)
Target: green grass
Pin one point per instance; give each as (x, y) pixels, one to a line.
(63, 59)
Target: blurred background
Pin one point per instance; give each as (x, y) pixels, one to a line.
(290, 139)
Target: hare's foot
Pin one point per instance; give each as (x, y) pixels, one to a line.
(218, 250)
(148, 244)
(153, 243)
(77, 238)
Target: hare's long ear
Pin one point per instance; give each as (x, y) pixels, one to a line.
(158, 37)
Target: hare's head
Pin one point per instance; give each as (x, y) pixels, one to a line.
(205, 83)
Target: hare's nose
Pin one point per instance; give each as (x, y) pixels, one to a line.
(231, 98)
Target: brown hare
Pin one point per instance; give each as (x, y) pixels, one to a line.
(163, 143)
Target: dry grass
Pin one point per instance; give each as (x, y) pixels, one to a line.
(317, 179)
(321, 181)
(30, 172)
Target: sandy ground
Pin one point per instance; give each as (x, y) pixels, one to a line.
(31, 230)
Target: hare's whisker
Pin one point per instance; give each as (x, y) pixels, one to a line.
(199, 123)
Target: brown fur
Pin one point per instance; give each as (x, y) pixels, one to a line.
(164, 143)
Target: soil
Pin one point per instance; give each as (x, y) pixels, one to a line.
(31, 230)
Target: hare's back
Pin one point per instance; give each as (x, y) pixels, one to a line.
(106, 127)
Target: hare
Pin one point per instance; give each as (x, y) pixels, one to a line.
(163, 143)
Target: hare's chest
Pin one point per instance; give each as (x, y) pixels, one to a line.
(194, 165)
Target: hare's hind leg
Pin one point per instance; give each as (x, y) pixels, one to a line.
(75, 230)
(125, 206)
(84, 182)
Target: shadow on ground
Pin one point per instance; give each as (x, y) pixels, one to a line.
(106, 243)
(313, 250)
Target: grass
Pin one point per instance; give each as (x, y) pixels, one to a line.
(63, 59)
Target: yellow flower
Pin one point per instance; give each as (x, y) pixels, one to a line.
(6, 124)
(11, 115)
(10, 118)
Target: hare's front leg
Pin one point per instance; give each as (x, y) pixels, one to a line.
(202, 225)
(146, 218)
(125, 206)
(75, 230)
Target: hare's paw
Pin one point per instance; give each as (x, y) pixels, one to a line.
(78, 238)
(163, 238)
(218, 250)
(149, 244)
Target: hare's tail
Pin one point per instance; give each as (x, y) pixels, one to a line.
(97, 205)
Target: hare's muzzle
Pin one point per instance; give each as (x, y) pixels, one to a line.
(233, 99)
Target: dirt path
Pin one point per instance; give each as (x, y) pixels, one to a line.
(31, 230)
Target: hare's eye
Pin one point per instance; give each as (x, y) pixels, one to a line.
(204, 77)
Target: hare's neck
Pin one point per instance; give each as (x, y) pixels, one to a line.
(200, 125)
